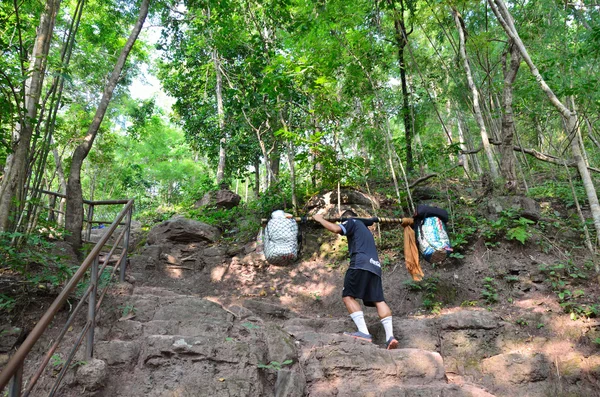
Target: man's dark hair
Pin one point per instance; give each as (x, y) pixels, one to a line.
(349, 214)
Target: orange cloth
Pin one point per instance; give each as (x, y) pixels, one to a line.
(411, 253)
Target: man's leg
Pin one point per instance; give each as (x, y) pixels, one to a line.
(385, 314)
(356, 314)
(351, 304)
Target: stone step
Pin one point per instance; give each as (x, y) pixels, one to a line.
(350, 388)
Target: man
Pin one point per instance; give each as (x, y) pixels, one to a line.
(363, 278)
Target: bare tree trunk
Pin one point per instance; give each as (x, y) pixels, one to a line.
(462, 158)
(74, 216)
(476, 107)
(508, 124)
(13, 181)
(591, 133)
(275, 163)
(505, 19)
(401, 43)
(221, 118)
(580, 139)
(290, 156)
(257, 177)
(62, 183)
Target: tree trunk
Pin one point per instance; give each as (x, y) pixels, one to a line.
(274, 163)
(462, 157)
(13, 181)
(508, 124)
(401, 42)
(221, 118)
(74, 216)
(257, 177)
(591, 133)
(570, 117)
(62, 183)
(476, 107)
(290, 157)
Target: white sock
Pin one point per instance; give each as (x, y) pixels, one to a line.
(359, 320)
(387, 325)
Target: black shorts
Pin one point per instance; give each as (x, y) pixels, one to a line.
(362, 284)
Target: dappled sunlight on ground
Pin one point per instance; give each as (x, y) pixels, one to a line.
(174, 272)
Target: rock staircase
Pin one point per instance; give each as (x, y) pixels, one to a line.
(181, 345)
(170, 342)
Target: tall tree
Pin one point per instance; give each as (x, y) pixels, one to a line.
(569, 115)
(508, 124)
(460, 26)
(13, 181)
(74, 215)
(399, 8)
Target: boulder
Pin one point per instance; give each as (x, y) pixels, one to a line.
(118, 351)
(524, 206)
(289, 384)
(349, 199)
(182, 230)
(223, 198)
(517, 368)
(267, 309)
(469, 319)
(92, 374)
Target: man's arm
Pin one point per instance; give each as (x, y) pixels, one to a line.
(332, 227)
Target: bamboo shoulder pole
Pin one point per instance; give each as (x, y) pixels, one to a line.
(373, 219)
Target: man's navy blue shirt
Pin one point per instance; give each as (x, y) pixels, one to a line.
(361, 246)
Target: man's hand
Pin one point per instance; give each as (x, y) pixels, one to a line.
(318, 218)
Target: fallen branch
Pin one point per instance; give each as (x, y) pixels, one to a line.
(548, 158)
(422, 179)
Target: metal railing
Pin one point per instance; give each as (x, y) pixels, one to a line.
(13, 371)
(89, 218)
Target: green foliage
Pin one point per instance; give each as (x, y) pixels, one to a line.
(127, 309)
(558, 189)
(519, 231)
(511, 279)
(562, 278)
(275, 365)
(249, 325)
(34, 259)
(7, 303)
(429, 287)
(490, 291)
(56, 361)
(465, 227)
(522, 322)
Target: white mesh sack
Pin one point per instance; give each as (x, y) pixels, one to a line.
(281, 241)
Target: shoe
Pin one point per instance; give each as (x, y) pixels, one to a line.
(392, 343)
(359, 335)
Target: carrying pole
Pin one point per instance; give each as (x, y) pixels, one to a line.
(373, 219)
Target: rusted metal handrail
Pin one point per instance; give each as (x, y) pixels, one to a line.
(14, 368)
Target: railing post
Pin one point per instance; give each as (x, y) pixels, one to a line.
(126, 245)
(90, 218)
(16, 382)
(89, 346)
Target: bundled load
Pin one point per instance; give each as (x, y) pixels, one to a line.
(280, 239)
(431, 235)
